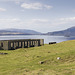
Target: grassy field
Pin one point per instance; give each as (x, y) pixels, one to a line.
(40, 60)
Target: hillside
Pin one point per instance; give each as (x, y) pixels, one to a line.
(18, 32)
(27, 61)
(67, 32)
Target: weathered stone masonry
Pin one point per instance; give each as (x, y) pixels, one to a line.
(24, 43)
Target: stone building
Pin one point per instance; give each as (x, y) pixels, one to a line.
(21, 43)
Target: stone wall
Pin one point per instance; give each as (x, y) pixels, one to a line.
(3, 45)
(24, 43)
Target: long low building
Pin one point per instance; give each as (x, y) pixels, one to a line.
(20, 43)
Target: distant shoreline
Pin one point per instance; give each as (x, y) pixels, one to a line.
(15, 34)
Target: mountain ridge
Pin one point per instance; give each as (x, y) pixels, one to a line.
(66, 32)
(14, 31)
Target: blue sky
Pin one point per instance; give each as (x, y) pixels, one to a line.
(40, 15)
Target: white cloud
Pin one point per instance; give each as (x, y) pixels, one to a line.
(37, 22)
(10, 23)
(47, 23)
(2, 9)
(17, 2)
(68, 19)
(35, 6)
(63, 21)
(40, 20)
(9, 20)
(48, 7)
(12, 0)
(43, 25)
(31, 6)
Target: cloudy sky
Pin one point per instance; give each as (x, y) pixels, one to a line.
(39, 15)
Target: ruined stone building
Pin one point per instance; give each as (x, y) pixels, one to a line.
(21, 43)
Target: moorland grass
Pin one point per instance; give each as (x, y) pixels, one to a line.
(26, 61)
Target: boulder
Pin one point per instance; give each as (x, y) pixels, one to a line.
(52, 42)
(41, 62)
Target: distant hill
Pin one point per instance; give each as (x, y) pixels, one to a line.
(18, 32)
(67, 32)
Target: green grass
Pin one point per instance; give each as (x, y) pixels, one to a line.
(25, 61)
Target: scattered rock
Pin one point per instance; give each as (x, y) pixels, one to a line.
(49, 52)
(41, 62)
(38, 56)
(3, 53)
(42, 70)
(58, 58)
(26, 70)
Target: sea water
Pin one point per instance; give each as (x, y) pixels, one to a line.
(47, 38)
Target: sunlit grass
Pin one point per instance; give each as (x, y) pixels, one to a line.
(26, 61)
